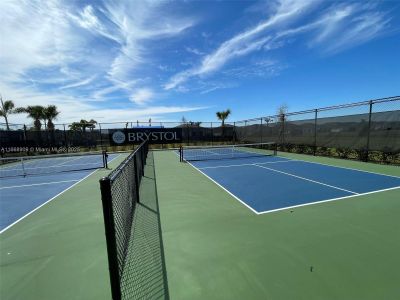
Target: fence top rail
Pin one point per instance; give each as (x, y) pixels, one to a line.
(308, 111)
(263, 118)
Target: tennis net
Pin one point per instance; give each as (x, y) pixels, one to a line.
(195, 153)
(120, 195)
(47, 164)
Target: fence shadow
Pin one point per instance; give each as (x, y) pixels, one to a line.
(144, 274)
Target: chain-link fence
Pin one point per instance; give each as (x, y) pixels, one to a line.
(368, 130)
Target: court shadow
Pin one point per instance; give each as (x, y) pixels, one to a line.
(144, 274)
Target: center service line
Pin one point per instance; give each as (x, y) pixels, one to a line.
(321, 183)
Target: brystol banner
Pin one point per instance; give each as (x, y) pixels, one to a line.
(138, 135)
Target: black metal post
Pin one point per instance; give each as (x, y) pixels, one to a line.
(188, 133)
(261, 131)
(25, 140)
(315, 132)
(137, 181)
(369, 131)
(106, 198)
(65, 138)
(212, 134)
(283, 130)
(101, 138)
(234, 132)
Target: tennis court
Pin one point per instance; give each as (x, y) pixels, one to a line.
(42, 178)
(240, 226)
(265, 182)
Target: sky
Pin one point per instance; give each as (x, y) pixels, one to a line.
(128, 60)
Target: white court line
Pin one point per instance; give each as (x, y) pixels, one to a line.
(230, 193)
(56, 166)
(314, 181)
(51, 199)
(243, 165)
(328, 200)
(340, 167)
(35, 184)
(305, 204)
(67, 161)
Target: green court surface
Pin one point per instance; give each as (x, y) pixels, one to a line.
(195, 241)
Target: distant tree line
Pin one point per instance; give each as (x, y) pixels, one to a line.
(41, 115)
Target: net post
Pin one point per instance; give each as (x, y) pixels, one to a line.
(105, 159)
(135, 165)
(109, 225)
(23, 166)
(180, 154)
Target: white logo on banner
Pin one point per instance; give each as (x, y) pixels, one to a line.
(118, 137)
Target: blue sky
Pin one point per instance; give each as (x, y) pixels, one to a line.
(128, 60)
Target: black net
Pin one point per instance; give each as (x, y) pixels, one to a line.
(196, 153)
(144, 275)
(120, 195)
(48, 164)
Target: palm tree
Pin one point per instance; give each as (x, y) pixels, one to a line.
(84, 124)
(92, 124)
(75, 126)
(223, 115)
(50, 113)
(36, 112)
(7, 108)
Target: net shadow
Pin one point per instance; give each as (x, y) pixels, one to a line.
(144, 275)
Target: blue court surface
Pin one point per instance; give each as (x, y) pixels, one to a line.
(21, 195)
(270, 183)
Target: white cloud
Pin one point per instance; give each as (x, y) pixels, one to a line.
(194, 51)
(349, 26)
(78, 83)
(138, 24)
(96, 48)
(142, 96)
(73, 109)
(339, 26)
(248, 41)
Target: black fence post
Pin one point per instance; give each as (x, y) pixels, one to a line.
(65, 138)
(261, 131)
(283, 117)
(315, 132)
(212, 134)
(109, 224)
(369, 131)
(25, 140)
(101, 138)
(234, 132)
(137, 182)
